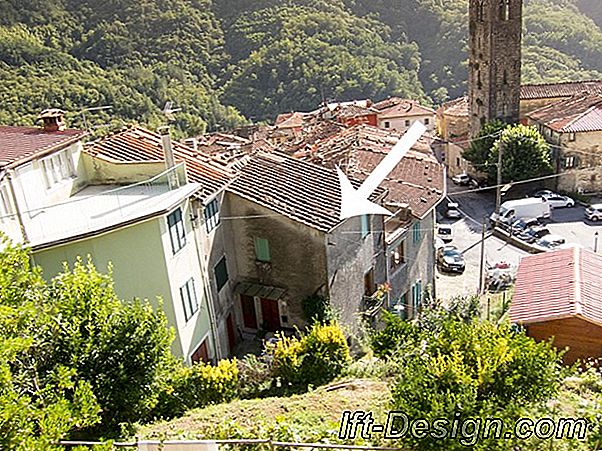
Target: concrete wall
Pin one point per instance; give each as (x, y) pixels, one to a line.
(144, 267)
(585, 153)
(583, 338)
(349, 258)
(298, 258)
(399, 123)
(100, 171)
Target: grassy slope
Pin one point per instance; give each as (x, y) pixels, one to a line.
(316, 414)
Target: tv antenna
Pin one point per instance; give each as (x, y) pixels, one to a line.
(91, 109)
(169, 110)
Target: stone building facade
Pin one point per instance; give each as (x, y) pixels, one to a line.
(494, 61)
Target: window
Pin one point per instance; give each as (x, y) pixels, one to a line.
(427, 121)
(365, 225)
(221, 273)
(505, 10)
(572, 136)
(407, 122)
(262, 250)
(177, 233)
(416, 297)
(58, 167)
(189, 299)
(416, 232)
(397, 256)
(5, 202)
(481, 10)
(387, 124)
(569, 162)
(211, 215)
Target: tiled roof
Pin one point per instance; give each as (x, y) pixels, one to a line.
(21, 143)
(136, 144)
(353, 111)
(417, 180)
(290, 120)
(302, 191)
(580, 113)
(558, 284)
(456, 107)
(565, 89)
(405, 108)
(386, 103)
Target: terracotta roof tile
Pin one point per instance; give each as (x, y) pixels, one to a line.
(405, 108)
(137, 144)
(579, 113)
(302, 191)
(558, 284)
(22, 143)
(565, 89)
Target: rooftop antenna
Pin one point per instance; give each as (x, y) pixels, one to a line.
(91, 109)
(169, 110)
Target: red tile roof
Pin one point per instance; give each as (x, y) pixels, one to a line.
(305, 192)
(405, 108)
(417, 180)
(456, 107)
(19, 144)
(564, 89)
(559, 284)
(136, 144)
(580, 113)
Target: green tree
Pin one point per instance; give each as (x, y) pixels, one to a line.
(75, 358)
(480, 148)
(38, 406)
(525, 154)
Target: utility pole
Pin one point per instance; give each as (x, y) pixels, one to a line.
(498, 191)
(482, 267)
(596, 242)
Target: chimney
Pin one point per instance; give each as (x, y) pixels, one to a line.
(167, 148)
(53, 120)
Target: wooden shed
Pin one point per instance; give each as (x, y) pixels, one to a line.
(559, 295)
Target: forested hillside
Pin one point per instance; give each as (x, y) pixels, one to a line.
(228, 61)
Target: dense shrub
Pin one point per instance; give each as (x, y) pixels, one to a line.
(198, 385)
(314, 359)
(395, 334)
(317, 308)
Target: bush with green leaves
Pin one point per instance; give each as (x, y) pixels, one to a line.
(314, 359)
(78, 359)
(197, 386)
(317, 308)
(457, 367)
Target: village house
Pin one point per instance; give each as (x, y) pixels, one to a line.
(573, 128)
(136, 217)
(414, 188)
(558, 295)
(453, 128)
(400, 114)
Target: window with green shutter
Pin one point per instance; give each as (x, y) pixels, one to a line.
(262, 250)
(221, 273)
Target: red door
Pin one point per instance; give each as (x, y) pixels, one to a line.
(201, 354)
(249, 316)
(231, 334)
(270, 314)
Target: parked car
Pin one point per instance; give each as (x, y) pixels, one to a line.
(554, 199)
(551, 242)
(520, 225)
(461, 179)
(532, 234)
(452, 211)
(594, 212)
(444, 231)
(449, 258)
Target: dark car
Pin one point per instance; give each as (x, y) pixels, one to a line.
(520, 225)
(450, 259)
(532, 234)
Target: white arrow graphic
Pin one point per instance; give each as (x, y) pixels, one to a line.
(355, 202)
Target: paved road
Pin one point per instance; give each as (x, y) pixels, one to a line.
(567, 222)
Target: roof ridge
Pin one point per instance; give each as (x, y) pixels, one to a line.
(577, 290)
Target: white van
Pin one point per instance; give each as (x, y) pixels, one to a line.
(531, 207)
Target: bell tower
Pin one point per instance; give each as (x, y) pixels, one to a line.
(495, 28)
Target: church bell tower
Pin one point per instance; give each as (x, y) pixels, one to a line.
(495, 28)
